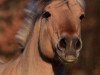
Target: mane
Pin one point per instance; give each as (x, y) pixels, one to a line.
(32, 11)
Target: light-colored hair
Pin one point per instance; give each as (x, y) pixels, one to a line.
(82, 3)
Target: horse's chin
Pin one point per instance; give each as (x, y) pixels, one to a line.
(67, 58)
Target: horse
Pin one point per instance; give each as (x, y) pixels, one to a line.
(49, 38)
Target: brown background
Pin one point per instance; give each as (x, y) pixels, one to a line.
(89, 60)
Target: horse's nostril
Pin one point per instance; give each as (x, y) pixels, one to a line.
(62, 43)
(77, 43)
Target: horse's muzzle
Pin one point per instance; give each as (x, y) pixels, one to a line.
(68, 48)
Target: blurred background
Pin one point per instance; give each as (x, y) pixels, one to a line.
(89, 60)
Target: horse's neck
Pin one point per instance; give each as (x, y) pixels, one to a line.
(32, 62)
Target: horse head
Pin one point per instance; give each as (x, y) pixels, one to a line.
(60, 27)
(60, 33)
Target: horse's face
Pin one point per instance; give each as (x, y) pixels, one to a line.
(60, 30)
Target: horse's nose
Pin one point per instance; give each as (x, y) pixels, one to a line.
(65, 43)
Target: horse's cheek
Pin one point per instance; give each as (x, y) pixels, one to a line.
(45, 44)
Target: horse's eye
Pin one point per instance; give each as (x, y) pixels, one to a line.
(46, 14)
(47, 0)
(82, 17)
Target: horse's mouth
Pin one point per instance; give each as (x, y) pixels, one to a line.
(67, 59)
